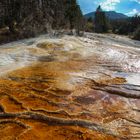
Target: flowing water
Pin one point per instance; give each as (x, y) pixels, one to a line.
(70, 88)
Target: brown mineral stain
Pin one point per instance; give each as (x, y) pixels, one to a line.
(10, 131)
(112, 81)
(44, 102)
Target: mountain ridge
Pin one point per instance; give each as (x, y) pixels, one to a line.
(110, 14)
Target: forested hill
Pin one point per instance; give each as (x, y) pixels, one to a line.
(110, 14)
(30, 17)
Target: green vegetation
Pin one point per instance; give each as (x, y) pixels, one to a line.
(126, 26)
(27, 18)
(74, 15)
(101, 21)
(23, 19)
(136, 34)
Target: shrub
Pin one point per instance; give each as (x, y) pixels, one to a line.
(136, 34)
(89, 27)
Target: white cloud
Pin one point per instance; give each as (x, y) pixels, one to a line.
(138, 1)
(133, 12)
(109, 5)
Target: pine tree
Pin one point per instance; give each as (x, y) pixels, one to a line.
(73, 14)
(136, 34)
(101, 22)
(32, 17)
(79, 20)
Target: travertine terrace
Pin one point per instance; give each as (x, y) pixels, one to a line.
(70, 88)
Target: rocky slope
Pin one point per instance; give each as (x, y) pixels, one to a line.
(74, 88)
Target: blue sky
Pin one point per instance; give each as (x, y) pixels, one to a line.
(128, 7)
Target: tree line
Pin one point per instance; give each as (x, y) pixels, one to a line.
(101, 24)
(27, 18)
(31, 17)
